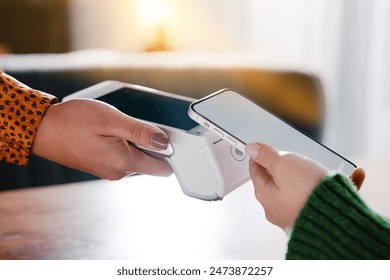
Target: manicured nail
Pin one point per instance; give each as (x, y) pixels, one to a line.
(160, 141)
(252, 150)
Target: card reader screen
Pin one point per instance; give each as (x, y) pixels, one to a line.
(151, 107)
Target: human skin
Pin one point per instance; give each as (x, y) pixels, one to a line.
(93, 136)
(283, 181)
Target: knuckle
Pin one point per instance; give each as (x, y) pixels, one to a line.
(268, 211)
(258, 195)
(138, 131)
(121, 168)
(270, 218)
(263, 200)
(105, 123)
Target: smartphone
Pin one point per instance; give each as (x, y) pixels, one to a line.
(240, 121)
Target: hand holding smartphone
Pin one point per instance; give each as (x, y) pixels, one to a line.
(240, 121)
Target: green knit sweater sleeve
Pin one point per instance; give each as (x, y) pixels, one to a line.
(335, 223)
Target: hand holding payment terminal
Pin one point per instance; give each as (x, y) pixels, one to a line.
(205, 166)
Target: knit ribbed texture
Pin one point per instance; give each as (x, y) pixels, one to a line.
(336, 224)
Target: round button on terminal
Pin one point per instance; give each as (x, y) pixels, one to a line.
(237, 154)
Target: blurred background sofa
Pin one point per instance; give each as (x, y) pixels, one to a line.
(292, 95)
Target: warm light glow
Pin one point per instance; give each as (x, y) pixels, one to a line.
(152, 15)
(151, 12)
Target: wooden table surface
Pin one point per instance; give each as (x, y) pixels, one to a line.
(146, 217)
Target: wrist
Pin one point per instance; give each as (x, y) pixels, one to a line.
(42, 134)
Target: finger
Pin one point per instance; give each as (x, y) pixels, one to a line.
(260, 178)
(263, 154)
(139, 133)
(357, 177)
(258, 173)
(147, 164)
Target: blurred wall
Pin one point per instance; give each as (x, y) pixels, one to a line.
(34, 26)
(345, 42)
(130, 25)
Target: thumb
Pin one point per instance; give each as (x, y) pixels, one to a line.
(263, 154)
(140, 133)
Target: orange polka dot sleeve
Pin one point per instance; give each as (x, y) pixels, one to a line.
(21, 110)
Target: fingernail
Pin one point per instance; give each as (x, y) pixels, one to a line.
(160, 141)
(252, 150)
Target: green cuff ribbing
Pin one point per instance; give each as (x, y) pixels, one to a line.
(336, 224)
